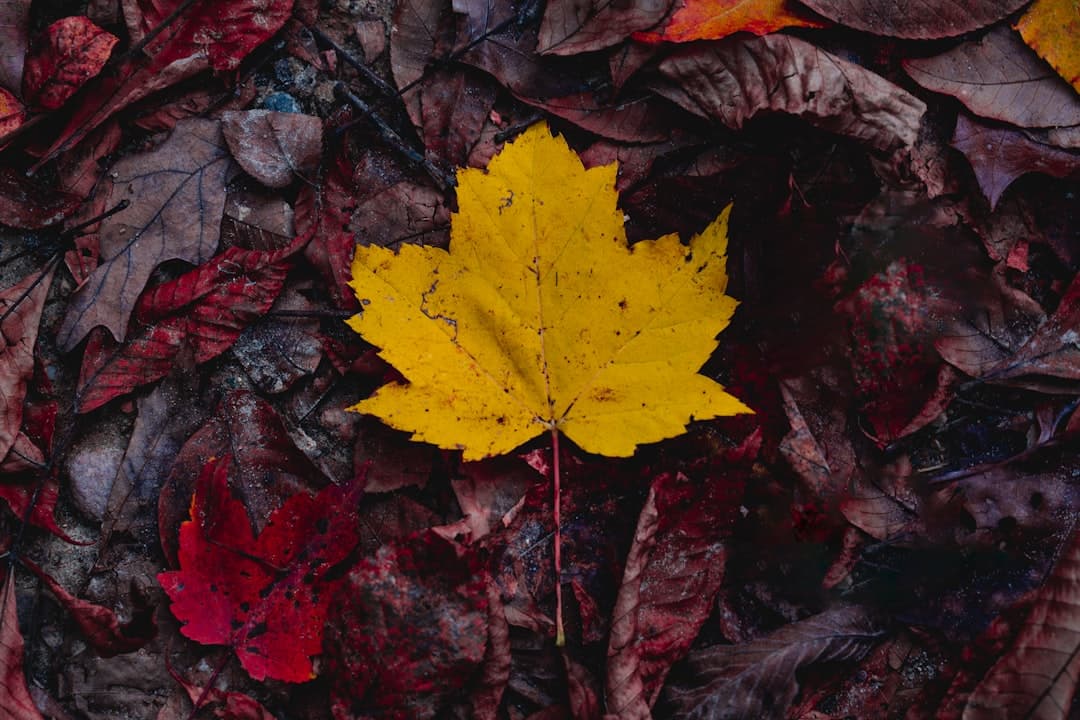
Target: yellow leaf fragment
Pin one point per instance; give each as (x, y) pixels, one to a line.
(540, 316)
(1052, 29)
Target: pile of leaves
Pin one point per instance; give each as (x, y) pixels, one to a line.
(194, 523)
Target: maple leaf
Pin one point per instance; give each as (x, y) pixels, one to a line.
(541, 317)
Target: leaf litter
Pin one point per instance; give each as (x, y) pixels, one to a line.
(194, 199)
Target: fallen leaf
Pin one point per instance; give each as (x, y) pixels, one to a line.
(274, 147)
(234, 705)
(735, 79)
(999, 155)
(408, 628)
(25, 203)
(998, 77)
(548, 329)
(1050, 28)
(20, 313)
(758, 679)
(177, 196)
(920, 21)
(205, 309)
(716, 19)
(12, 113)
(1036, 678)
(14, 32)
(454, 107)
(266, 596)
(570, 27)
(15, 700)
(71, 51)
(673, 571)
(414, 32)
(324, 211)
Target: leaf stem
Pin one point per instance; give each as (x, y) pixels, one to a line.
(560, 635)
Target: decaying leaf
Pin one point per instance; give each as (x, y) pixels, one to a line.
(177, 196)
(266, 596)
(15, 700)
(274, 147)
(758, 679)
(72, 51)
(541, 318)
(14, 29)
(12, 112)
(1051, 28)
(920, 21)
(737, 78)
(715, 19)
(20, 312)
(998, 77)
(25, 203)
(575, 26)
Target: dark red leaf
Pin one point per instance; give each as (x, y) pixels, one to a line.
(325, 211)
(15, 700)
(999, 155)
(408, 628)
(274, 147)
(20, 313)
(25, 203)
(205, 310)
(920, 21)
(267, 595)
(999, 77)
(71, 51)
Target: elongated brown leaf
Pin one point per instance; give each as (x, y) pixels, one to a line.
(758, 679)
(1036, 679)
(177, 196)
(15, 700)
(14, 30)
(999, 155)
(915, 20)
(576, 26)
(1000, 78)
(736, 78)
(20, 312)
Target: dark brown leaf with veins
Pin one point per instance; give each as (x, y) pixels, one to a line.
(915, 20)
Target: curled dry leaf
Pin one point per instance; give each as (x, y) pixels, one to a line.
(12, 112)
(1036, 678)
(917, 21)
(1051, 28)
(71, 51)
(999, 155)
(15, 699)
(716, 19)
(206, 310)
(759, 679)
(20, 313)
(735, 79)
(177, 196)
(274, 147)
(504, 341)
(576, 26)
(998, 77)
(14, 32)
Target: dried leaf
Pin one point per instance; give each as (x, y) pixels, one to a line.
(570, 27)
(324, 212)
(1036, 678)
(206, 310)
(758, 679)
(921, 21)
(1050, 28)
(716, 19)
(266, 596)
(545, 330)
(12, 113)
(15, 700)
(14, 32)
(999, 155)
(72, 51)
(274, 147)
(998, 77)
(735, 79)
(177, 196)
(20, 312)
(25, 203)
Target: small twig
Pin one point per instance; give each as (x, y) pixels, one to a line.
(370, 75)
(74, 231)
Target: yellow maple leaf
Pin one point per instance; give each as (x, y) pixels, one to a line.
(1052, 29)
(541, 316)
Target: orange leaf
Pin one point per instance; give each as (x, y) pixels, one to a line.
(1052, 29)
(12, 113)
(714, 19)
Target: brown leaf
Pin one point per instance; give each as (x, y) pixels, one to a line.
(413, 36)
(15, 700)
(758, 679)
(454, 107)
(12, 113)
(177, 196)
(71, 51)
(735, 79)
(274, 147)
(921, 21)
(20, 312)
(570, 27)
(27, 204)
(999, 77)
(999, 155)
(1037, 677)
(14, 31)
